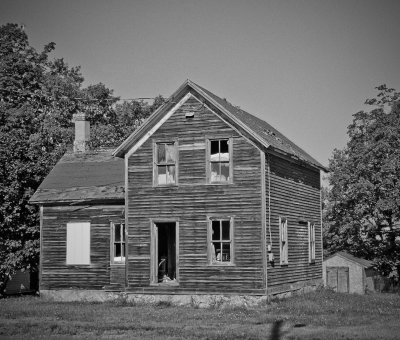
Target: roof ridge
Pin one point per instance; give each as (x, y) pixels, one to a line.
(274, 133)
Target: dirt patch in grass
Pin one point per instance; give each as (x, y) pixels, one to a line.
(318, 315)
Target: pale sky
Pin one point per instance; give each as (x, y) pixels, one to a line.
(303, 66)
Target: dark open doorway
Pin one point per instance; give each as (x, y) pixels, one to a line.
(164, 253)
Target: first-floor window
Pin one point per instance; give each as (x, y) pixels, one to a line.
(220, 238)
(118, 242)
(78, 243)
(311, 242)
(283, 240)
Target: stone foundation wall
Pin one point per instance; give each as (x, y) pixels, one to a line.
(194, 300)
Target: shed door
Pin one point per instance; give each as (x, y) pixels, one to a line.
(338, 279)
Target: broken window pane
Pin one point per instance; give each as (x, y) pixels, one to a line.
(226, 252)
(161, 153)
(216, 235)
(224, 172)
(117, 250)
(162, 174)
(225, 230)
(170, 152)
(215, 172)
(171, 174)
(214, 147)
(224, 148)
(117, 231)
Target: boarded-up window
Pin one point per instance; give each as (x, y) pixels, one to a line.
(221, 241)
(219, 160)
(165, 163)
(118, 243)
(283, 240)
(78, 243)
(311, 242)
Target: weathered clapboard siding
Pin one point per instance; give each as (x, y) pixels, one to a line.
(294, 194)
(191, 202)
(55, 272)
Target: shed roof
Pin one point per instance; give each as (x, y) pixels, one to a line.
(268, 136)
(95, 175)
(362, 262)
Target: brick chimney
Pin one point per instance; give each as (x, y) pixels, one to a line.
(82, 132)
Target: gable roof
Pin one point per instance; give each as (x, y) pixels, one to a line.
(86, 176)
(263, 133)
(362, 262)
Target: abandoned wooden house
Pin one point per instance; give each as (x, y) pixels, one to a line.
(203, 198)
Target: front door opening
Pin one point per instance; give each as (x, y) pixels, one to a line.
(166, 253)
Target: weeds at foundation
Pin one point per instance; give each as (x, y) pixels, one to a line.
(163, 304)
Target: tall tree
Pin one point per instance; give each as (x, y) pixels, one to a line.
(363, 208)
(38, 97)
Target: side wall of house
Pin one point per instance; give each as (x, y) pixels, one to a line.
(99, 274)
(192, 202)
(294, 194)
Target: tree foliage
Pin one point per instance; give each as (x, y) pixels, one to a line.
(362, 212)
(38, 97)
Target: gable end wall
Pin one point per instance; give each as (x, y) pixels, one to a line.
(191, 202)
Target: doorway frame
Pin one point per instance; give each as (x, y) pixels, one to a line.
(154, 250)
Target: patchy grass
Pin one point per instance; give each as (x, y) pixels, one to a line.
(319, 315)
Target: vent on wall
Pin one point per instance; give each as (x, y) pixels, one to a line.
(189, 115)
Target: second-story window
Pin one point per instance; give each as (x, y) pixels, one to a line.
(165, 162)
(220, 160)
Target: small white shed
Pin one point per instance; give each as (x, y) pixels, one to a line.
(346, 273)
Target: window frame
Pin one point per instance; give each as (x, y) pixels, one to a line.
(69, 248)
(283, 241)
(209, 139)
(156, 165)
(211, 261)
(122, 242)
(311, 242)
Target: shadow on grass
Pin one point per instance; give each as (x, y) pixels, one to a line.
(276, 330)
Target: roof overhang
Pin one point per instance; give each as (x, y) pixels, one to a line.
(177, 99)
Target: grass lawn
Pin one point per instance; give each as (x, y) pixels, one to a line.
(319, 315)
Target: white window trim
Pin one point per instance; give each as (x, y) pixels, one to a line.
(311, 242)
(283, 241)
(112, 228)
(208, 159)
(155, 164)
(78, 246)
(211, 262)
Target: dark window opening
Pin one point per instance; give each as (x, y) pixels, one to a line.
(221, 241)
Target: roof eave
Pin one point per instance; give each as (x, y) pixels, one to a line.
(126, 145)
